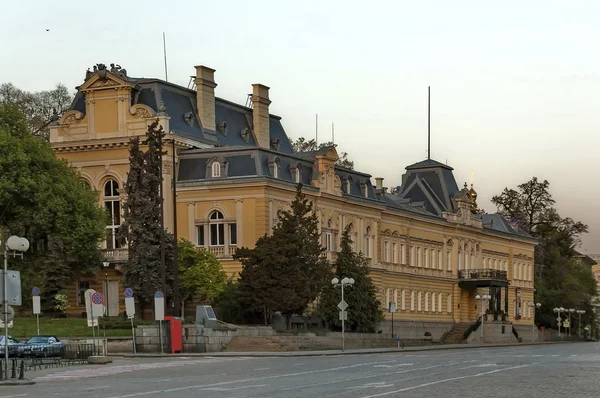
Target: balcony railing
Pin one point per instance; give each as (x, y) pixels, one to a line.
(222, 251)
(474, 274)
(116, 255)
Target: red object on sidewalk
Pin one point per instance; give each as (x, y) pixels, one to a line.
(175, 334)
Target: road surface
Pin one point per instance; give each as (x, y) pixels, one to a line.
(559, 370)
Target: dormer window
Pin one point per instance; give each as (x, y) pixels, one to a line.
(274, 166)
(216, 169)
(297, 175)
(348, 185)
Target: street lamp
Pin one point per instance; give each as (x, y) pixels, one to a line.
(482, 298)
(17, 246)
(534, 306)
(558, 310)
(579, 324)
(344, 282)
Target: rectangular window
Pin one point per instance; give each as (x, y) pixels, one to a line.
(328, 242)
(385, 251)
(426, 257)
(394, 252)
(367, 247)
(427, 302)
(439, 260)
(449, 303)
(418, 256)
(412, 300)
(412, 256)
(200, 234)
(387, 297)
(82, 286)
(217, 234)
(449, 260)
(233, 234)
(432, 258)
(433, 302)
(419, 302)
(514, 271)
(396, 298)
(440, 302)
(402, 254)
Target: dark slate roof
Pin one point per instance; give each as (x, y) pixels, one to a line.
(498, 223)
(428, 163)
(431, 182)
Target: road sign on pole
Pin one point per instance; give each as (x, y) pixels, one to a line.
(97, 304)
(128, 292)
(159, 306)
(35, 291)
(343, 315)
(343, 305)
(13, 282)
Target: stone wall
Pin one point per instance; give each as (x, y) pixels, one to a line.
(493, 333)
(416, 330)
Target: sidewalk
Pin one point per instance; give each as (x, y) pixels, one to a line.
(359, 351)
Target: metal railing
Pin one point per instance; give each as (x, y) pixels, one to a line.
(32, 356)
(121, 254)
(467, 274)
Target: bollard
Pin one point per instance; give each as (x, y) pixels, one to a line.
(22, 374)
(14, 369)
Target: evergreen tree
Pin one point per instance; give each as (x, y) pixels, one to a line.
(286, 271)
(141, 224)
(364, 309)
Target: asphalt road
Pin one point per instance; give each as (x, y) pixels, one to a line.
(560, 370)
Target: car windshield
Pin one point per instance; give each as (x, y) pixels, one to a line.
(38, 340)
(10, 340)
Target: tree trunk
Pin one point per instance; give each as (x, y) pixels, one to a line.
(265, 314)
(182, 308)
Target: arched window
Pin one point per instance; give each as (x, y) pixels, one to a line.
(85, 183)
(368, 243)
(297, 172)
(216, 229)
(349, 185)
(276, 170)
(329, 237)
(216, 169)
(112, 205)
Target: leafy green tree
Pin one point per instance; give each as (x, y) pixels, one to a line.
(364, 309)
(39, 108)
(304, 145)
(43, 199)
(561, 280)
(286, 271)
(141, 226)
(200, 273)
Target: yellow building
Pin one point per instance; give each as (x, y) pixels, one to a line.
(235, 171)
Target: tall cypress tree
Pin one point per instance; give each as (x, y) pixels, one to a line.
(364, 309)
(285, 271)
(141, 224)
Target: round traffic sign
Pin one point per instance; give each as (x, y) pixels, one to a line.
(97, 298)
(128, 292)
(158, 294)
(35, 291)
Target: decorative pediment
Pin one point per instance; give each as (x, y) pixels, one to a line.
(71, 117)
(107, 80)
(140, 111)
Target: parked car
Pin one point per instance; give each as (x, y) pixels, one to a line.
(44, 346)
(13, 347)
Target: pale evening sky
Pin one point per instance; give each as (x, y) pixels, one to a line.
(515, 85)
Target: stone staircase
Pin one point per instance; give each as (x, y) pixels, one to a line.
(255, 344)
(456, 334)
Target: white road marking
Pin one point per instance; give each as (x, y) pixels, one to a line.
(90, 389)
(393, 366)
(378, 384)
(481, 365)
(13, 396)
(234, 388)
(299, 364)
(447, 380)
(225, 383)
(262, 368)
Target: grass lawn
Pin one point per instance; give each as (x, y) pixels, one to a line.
(65, 327)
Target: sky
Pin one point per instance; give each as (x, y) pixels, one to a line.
(515, 85)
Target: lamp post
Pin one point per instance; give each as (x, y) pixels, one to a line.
(482, 298)
(570, 311)
(558, 310)
(579, 324)
(106, 264)
(344, 282)
(17, 246)
(534, 306)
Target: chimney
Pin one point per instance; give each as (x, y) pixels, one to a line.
(260, 114)
(205, 96)
(379, 183)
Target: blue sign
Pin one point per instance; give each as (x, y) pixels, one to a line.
(35, 291)
(158, 294)
(97, 298)
(128, 292)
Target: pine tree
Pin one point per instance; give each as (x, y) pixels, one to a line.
(364, 309)
(141, 224)
(285, 271)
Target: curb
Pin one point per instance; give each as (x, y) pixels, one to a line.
(286, 354)
(17, 383)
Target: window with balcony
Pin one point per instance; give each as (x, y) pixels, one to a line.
(112, 205)
(216, 229)
(200, 235)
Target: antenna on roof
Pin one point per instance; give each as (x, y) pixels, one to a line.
(428, 122)
(165, 53)
(332, 134)
(317, 130)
